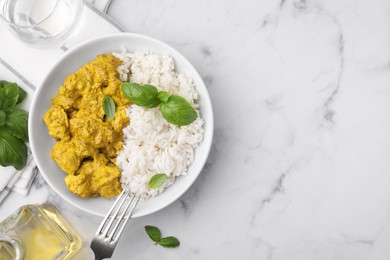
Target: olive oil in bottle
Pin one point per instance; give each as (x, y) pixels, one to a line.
(37, 232)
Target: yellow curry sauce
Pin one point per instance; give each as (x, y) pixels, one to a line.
(87, 141)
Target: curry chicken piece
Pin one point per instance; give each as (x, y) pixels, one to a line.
(105, 181)
(95, 178)
(57, 123)
(84, 150)
(121, 120)
(102, 181)
(92, 131)
(114, 90)
(64, 153)
(87, 141)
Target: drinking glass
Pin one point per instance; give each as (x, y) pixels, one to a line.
(42, 23)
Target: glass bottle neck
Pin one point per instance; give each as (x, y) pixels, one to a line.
(11, 247)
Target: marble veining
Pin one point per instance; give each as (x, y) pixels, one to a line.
(299, 165)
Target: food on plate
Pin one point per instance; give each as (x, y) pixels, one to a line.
(87, 142)
(175, 109)
(151, 145)
(109, 107)
(106, 143)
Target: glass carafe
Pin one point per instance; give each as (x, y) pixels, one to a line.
(37, 232)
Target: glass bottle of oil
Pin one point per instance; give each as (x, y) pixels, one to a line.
(37, 232)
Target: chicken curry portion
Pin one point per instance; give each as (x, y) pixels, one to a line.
(87, 142)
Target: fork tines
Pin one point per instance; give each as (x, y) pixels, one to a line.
(117, 217)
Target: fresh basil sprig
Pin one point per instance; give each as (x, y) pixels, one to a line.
(17, 121)
(109, 107)
(22, 94)
(13, 126)
(175, 109)
(157, 180)
(144, 96)
(3, 117)
(155, 235)
(163, 96)
(9, 95)
(169, 242)
(13, 151)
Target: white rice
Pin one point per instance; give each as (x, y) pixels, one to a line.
(152, 145)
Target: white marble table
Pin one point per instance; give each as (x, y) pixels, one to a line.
(300, 167)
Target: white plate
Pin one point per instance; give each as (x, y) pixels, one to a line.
(42, 143)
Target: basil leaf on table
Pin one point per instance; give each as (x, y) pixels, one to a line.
(109, 107)
(178, 111)
(3, 83)
(17, 123)
(22, 93)
(9, 95)
(144, 96)
(3, 117)
(13, 126)
(154, 233)
(169, 242)
(157, 180)
(13, 151)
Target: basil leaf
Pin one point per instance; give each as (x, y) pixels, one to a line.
(9, 95)
(109, 107)
(144, 96)
(169, 242)
(17, 123)
(154, 233)
(3, 117)
(163, 96)
(157, 180)
(178, 111)
(13, 151)
(22, 93)
(3, 83)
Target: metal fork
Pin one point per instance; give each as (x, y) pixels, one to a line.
(104, 242)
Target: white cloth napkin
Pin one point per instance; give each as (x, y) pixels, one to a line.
(101, 5)
(19, 181)
(27, 66)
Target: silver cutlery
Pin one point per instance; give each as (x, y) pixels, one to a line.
(107, 236)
